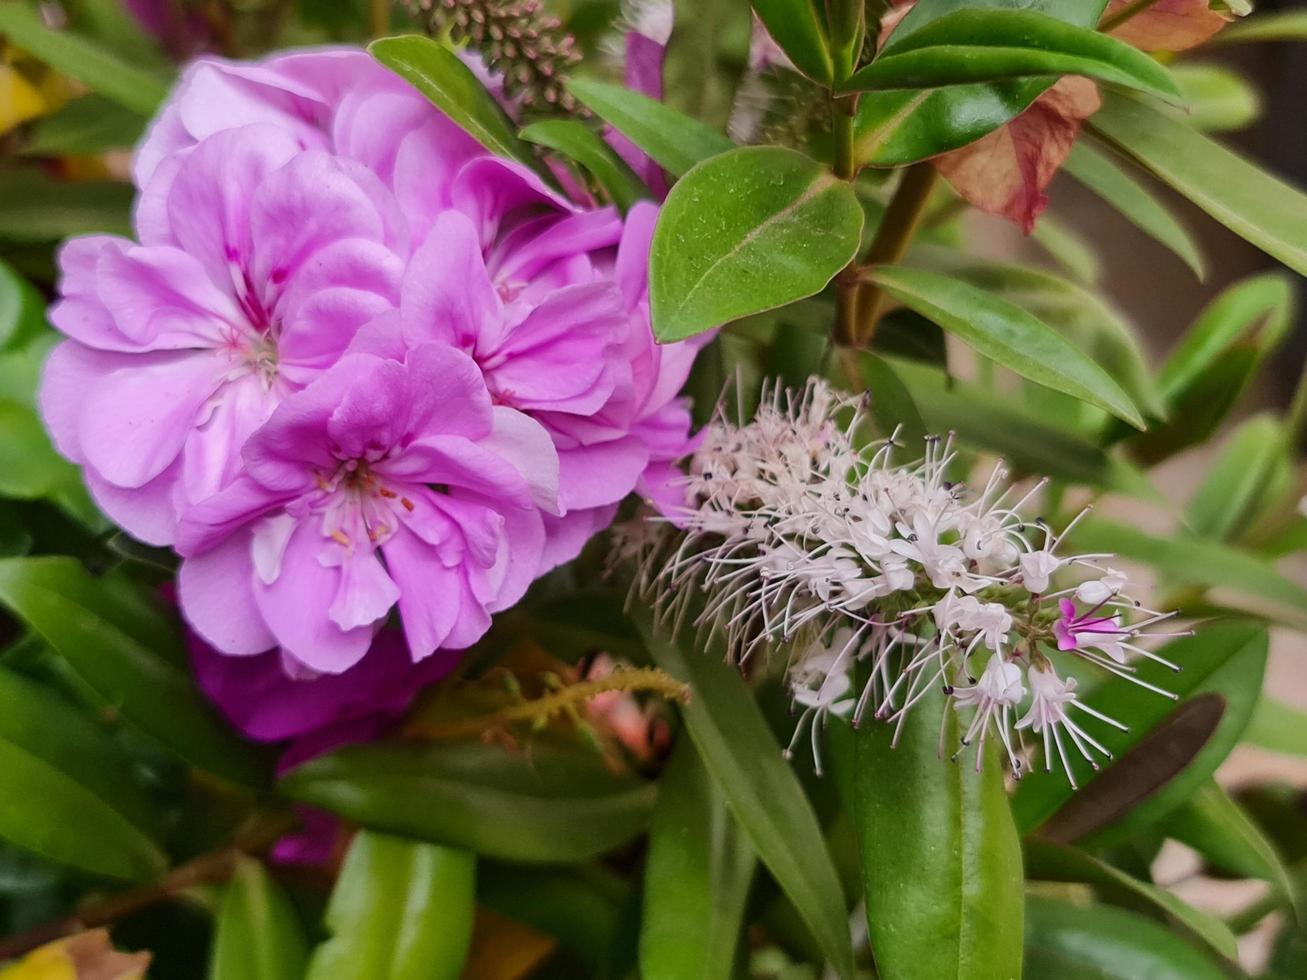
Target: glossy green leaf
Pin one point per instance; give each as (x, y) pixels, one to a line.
(1246, 199)
(35, 207)
(706, 57)
(87, 125)
(401, 910)
(1271, 25)
(80, 58)
(1218, 99)
(795, 27)
(746, 231)
(1217, 687)
(1136, 203)
(1098, 942)
(1278, 727)
(761, 789)
(69, 792)
(989, 421)
(895, 128)
(674, 141)
(696, 877)
(438, 73)
(553, 803)
(258, 936)
(1216, 827)
(941, 861)
(1047, 861)
(1237, 487)
(972, 46)
(123, 647)
(580, 144)
(1007, 334)
(1202, 563)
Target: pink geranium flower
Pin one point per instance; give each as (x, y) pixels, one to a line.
(381, 484)
(257, 265)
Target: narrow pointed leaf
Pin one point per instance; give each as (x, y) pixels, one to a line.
(1169, 748)
(1047, 861)
(696, 877)
(436, 72)
(1246, 478)
(582, 145)
(118, 643)
(401, 910)
(762, 791)
(1278, 727)
(1246, 199)
(85, 126)
(553, 803)
(1008, 335)
(1273, 25)
(78, 57)
(744, 232)
(1136, 203)
(941, 861)
(259, 936)
(69, 793)
(972, 46)
(674, 141)
(1219, 99)
(794, 25)
(1098, 942)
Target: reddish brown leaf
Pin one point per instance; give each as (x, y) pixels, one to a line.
(1168, 25)
(1006, 172)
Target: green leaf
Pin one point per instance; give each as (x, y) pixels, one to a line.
(29, 466)
(1098, 942)
(892, 405)
(706, 57)
(1273, 25)
(1242, 482)
(1278, 727)
(794, 26)
(941, 860)
(696, 877)
(1202, 563)
(1068, 248)
(82, 59)
(746, 231)
(896, 128)
(762, 791)
(553, 803)
(1219, 100)
(34, 207)
(1246, 199)
(400, 910)
(86, 126)
(1007, 334)
(1136, 203)
(258, 933)
(674, 141)
(1218, 828)
(972, 46)
(1047, 861)
(131, 654)
(438, 73)
(1217, 687)
(69, 792)
(581, 145)
(22, 310)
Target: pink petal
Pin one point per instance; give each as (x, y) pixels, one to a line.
(447, 294)
(216, 591)
(1168, 25)
(148, 513)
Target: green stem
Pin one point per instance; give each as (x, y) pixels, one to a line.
(1121, 16)
(846, 168)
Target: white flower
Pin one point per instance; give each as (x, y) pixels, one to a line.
(1097, 591)
(1051, 697)
(998, 691)
(1037, 567)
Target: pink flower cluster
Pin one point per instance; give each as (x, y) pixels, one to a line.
(353, 363)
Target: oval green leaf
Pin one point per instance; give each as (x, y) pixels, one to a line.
(696, 877)
(940, 856)
(974, 46)
(1007, 334)
(762, 791)
(130, 653)
(259, 936)
(1219, 99)
(674, 141)
(747, 231)
(794, 25)
(584, 147)
(553, 802)
(401, 910)
(1246, 199)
